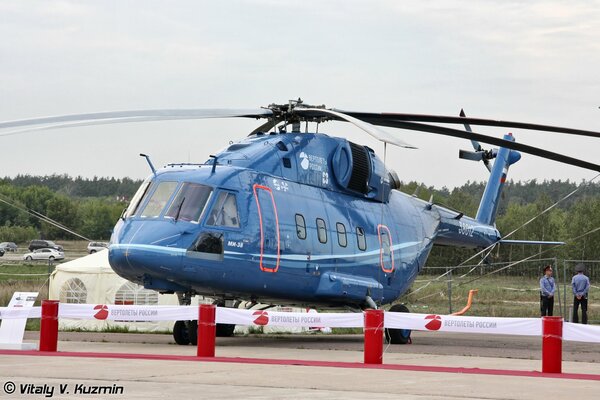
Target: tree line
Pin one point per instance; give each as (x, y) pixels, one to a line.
(91, 207)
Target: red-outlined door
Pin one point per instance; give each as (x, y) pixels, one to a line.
(386, 248)
(269, 228)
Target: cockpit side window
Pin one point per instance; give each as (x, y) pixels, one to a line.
(136, 200)
(224, 211)
(158, 200)
(189, 202)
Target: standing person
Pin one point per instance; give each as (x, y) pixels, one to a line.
(581, 286)
(547, 288)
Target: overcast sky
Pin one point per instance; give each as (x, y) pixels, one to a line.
(533, 61)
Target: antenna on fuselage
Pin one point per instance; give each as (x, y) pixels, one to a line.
(149, 163)
(214, 166)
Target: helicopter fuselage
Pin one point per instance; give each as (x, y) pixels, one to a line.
(287, 218)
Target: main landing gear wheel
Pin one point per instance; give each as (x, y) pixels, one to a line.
(185, 332)
(398, 336)
(225, 330)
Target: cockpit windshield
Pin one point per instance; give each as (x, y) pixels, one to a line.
(190, 202)
(135, 201)
(159, 198)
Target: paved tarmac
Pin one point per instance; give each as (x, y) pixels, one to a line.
(181, 379)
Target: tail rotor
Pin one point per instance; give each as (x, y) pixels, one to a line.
(479, 154)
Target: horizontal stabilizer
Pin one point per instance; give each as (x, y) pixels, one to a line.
(531, 242)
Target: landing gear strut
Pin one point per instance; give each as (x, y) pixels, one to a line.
(185, 332)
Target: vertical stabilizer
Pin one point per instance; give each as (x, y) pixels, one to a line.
(491, 196)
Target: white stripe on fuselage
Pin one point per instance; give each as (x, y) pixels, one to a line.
(289, 257)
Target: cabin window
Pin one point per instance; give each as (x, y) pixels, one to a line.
(224, 212)
(341, 233)
(300, 227)
(158, 200)
(136, 200)
(286, 162)
(321, 230)
(361, 239)
(190, 202)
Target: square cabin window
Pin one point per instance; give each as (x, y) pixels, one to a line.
(361, 239)
(341, 233)
(300, 226)
(321, 230)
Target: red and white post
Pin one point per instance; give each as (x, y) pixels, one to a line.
(373, 336)
(552, 328)
(207, 329)
(49, 325)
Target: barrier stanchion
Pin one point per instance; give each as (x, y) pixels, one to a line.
(373, 336)
(206, 330)
(552, 344)
(49, 325)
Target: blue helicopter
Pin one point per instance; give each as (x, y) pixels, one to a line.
(298, 218)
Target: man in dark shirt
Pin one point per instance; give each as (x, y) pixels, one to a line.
(581, 287)
(547, 288)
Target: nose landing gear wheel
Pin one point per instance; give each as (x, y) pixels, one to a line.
(185, 332)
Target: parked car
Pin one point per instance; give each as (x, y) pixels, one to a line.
(8, 246)
(44, 254)
(96, 246)
(44, 244)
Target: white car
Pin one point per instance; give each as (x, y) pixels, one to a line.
(93, 247)
(44, 254)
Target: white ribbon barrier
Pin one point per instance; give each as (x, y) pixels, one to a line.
(423, 322)
(127, 313)
(454, 323)
(20, 313)
(289, 319)
(581, 333)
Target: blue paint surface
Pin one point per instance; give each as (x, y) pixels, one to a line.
(306, 228)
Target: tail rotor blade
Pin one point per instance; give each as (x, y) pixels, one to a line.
(471, 155)
(475, 143)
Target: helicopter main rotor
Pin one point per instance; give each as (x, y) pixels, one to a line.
(296, 111)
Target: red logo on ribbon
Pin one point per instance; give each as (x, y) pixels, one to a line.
(435, 323)
(262, 319)
(103, 313)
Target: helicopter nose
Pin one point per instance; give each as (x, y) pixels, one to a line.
(132, 261)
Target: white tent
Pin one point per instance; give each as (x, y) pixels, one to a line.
(91, 280)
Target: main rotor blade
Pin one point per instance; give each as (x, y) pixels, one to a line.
(267, 126)
(444, 119)
(486, 139)
(369, 128)
(114, 117)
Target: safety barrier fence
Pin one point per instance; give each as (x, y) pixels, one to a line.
(552, 329)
